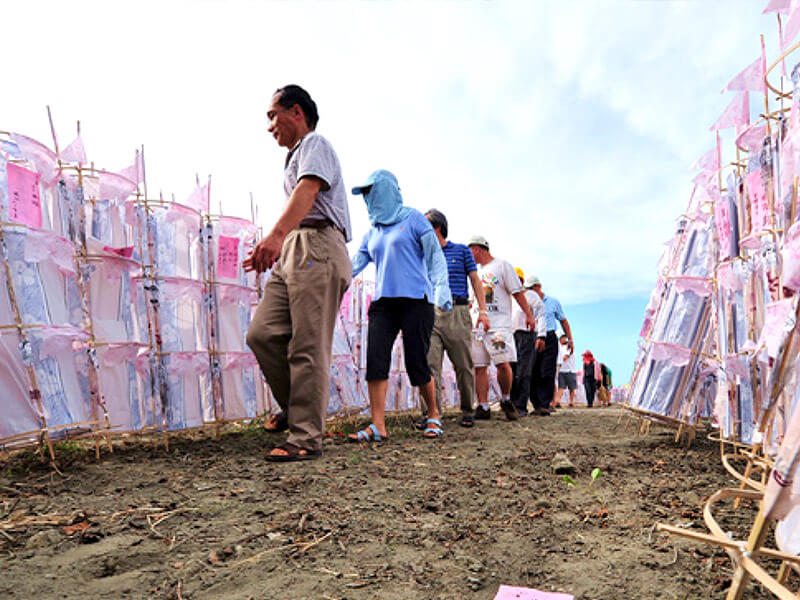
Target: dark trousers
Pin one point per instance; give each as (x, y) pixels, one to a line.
(590, 387)
(543, 374)
(522, 369)
(389, 316)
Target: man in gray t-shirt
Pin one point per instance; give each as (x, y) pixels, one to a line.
(292, 329)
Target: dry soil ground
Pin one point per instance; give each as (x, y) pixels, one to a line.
(411, 518)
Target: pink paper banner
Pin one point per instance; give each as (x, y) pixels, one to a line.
(779, 317)
(723, 224)
(751, 78)
(236, 227)
(199, 199)
(24, 204)
(698, 285)
(791, 258)
(125, 252)
(227, 257)
(57, 338)
(737, 113)
(135, 172)
(779, 6)
(74, 152)
(728, 277)
(188, 363)
(238, 360)
(115, 354)
(41, 156)
(45, 245)
(677, 355)
(750, 138)
(510, 592)
(759, 206)
(737, 365)
(708, 162)
(176, 287)
(236, 293)
(114, 186)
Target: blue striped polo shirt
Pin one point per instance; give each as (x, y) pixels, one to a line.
(460, 264)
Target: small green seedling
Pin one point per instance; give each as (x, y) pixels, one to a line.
(595, 475)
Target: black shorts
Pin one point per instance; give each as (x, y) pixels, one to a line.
(414, 318)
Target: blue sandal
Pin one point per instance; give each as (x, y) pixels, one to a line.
(369, 434)
(433, 432)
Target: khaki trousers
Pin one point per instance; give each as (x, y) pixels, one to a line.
(452, 331)
(291, 333)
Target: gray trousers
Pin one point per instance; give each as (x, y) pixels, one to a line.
(291, 333)
(452, 332)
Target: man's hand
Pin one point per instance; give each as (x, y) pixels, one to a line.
(483, 319)
(530, 322)
(264, 254)
(539, 345)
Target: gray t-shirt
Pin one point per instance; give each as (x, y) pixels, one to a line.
(315, 156)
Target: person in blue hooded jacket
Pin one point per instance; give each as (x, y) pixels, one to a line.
(411, 273)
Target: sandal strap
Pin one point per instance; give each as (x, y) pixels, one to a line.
(370, 431)
(434, 421)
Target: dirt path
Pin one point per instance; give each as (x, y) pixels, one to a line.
(408, 519)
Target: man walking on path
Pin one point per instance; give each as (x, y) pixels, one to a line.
(292, 329)
(528, 344)
(452, 330)
(567, 379)
(544, 367)
(496, 345)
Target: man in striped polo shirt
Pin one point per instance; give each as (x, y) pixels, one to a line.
(452, 330)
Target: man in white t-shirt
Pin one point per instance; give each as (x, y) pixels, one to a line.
(567, 380)
(500, 283)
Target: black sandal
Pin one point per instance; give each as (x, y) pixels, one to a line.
(468, 421)
(293, 453)
(277, 423)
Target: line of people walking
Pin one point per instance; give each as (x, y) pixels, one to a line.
(422, 290)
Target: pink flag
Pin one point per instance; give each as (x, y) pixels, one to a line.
(750, 138)
(759, 204)
(677, 355)
(199, 199)
(751, 78)
(737, 113)
(792, 27)
(703, 178)
(778, 6)
(40, 155)
(708, 162)
(136, 171)
(74, 152)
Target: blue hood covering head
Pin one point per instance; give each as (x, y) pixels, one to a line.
(384, 201)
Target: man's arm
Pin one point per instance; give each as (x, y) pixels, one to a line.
(568, 331)
(268, 249)
(480, 298)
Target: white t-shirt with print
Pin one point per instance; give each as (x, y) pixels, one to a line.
(499, 281)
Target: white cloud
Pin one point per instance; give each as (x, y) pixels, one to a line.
(561, 130)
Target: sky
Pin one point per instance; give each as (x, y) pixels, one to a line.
(562, 130)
